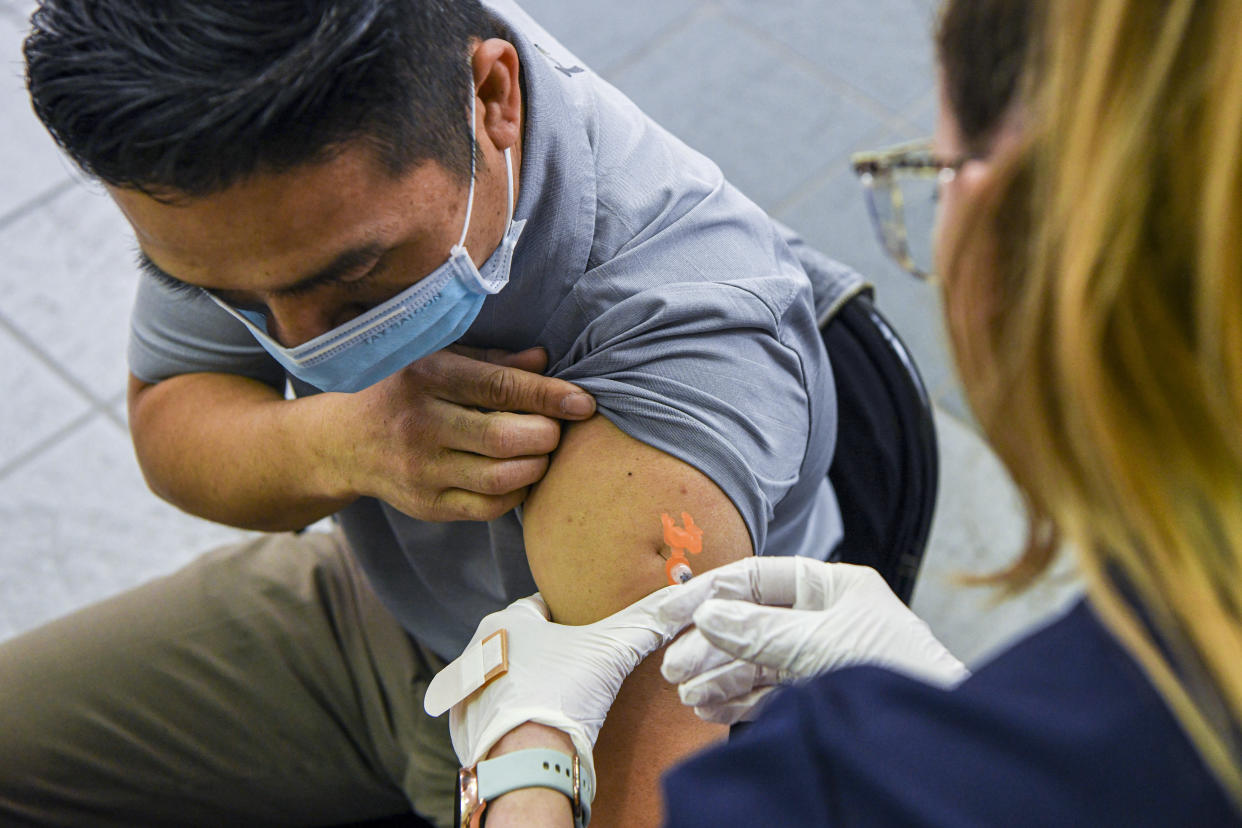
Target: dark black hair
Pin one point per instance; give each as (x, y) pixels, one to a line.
(190, 96)
(984, 47)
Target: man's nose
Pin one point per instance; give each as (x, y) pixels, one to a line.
(293, 321)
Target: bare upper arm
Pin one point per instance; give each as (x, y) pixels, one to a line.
(595, 543)
(592, 526)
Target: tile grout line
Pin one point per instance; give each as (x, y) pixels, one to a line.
(822, 175)
(50, 363)
(47, 442)
(109, 411)
(917, 108)
(803, 191)
(830, 79)
(625, 62)
(35, 202)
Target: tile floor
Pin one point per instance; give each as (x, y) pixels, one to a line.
(779, 92)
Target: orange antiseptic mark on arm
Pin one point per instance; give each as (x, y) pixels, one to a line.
(681, 539)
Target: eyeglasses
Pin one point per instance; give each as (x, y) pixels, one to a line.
(903, 196)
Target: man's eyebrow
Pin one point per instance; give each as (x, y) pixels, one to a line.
(339, 267)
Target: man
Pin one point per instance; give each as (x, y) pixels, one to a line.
(324, 193)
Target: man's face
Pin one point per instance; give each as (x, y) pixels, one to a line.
(318, 245)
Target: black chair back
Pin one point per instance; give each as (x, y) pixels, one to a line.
(885, 468)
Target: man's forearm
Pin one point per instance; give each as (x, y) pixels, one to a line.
(232, 450)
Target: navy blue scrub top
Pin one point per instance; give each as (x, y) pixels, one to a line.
(1062, 729)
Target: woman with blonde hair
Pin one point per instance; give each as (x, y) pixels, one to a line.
(1106, 370)
(1091, 247)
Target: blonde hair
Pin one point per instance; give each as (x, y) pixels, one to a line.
(1106, 361)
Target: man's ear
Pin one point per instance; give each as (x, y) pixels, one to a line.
(497, 86)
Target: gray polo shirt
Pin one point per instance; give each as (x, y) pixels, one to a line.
(653, 284)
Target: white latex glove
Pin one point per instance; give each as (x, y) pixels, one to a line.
(560, 676)
(818, 617)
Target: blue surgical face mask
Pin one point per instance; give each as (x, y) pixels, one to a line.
(429, 315)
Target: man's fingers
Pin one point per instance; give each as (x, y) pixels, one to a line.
(500, 434)
(459, 504)
(502, 388)
(485, 476)
(532, 359)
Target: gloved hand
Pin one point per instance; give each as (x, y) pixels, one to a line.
(561, 676)
(820, 617)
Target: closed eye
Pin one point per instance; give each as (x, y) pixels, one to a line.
(352, 270)
(170, 283)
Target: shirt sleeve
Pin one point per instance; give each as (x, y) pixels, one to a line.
(181, 331)
(710, 373)
(694, 328)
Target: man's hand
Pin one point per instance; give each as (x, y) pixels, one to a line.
(234, 450)
(443, 439)
(763, 621)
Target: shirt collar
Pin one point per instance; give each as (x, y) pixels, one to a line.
(557, 197)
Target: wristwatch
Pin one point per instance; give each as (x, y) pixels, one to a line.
(533, 768)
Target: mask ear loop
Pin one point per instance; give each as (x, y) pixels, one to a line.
(474, 118)
(509, 169)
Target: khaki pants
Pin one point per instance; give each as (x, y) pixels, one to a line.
(261, 685)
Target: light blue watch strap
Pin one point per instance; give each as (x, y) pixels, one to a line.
(534, 768)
